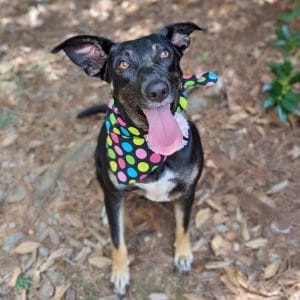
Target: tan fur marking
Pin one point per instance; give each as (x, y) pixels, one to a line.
(182, 239)
(119, 260)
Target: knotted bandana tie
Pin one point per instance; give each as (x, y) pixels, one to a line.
(130, 158)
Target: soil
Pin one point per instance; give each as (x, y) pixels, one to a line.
(53, 229)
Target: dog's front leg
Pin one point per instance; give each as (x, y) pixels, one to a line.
(120, 271)
(183, 256)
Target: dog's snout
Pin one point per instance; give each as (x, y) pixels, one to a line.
(157, 91)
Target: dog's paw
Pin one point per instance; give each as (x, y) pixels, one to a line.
(183, 262)
(120, 279)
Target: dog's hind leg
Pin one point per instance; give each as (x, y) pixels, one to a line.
(183, 256)
(120, 270)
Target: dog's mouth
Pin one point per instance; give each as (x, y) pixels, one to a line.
(164, 134)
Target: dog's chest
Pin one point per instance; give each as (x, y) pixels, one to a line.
(159, 191)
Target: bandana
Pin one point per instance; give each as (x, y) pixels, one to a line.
(130, 157)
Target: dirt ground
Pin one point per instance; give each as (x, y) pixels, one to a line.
(245, 226)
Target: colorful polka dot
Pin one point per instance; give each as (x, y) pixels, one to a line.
(143, 166)
(132, 172)
(121, 121)
(107, 125)
(111, 153)
(134, 130)
(141, 153)
(138, 141)
(108, 140)
(121, 176)
(131, 181)
(201, 79)
(155, 158)
(125, 131)
(127, 147)
(113, 165)
(115, 138)
(116, 131)
(121, 163)
(130, 159)
(112, 119)
(183, 102)
(118, 150)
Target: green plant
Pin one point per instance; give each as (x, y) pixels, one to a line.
(287, 39)
(24, 282)
(282, 91)
(7, 118)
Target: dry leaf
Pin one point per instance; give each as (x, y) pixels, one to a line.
(202, 216)
(55, 255)
(16, 272)
(272, 269)
(220, 246)
(237, 117)
(213, 204)
(9, 140)
(100, 262)
(27, 247)
(60, 291)
(257, 243)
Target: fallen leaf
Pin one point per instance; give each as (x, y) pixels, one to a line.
(100, 262)
(54, 256)
(220, 246)
(202, 216)
(271, 269)
(27, 247)
(257, 243)
(9, 140)
(16, 273)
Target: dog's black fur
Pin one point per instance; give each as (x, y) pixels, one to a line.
(143, 73)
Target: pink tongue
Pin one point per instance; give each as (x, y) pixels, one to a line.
(165, 136)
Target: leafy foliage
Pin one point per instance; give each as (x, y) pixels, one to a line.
(287, 39)
(24, 282)
(281, 91)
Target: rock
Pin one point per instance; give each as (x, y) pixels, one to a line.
(12, 241)
(43, 251)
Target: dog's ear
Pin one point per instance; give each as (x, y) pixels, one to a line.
(88, 52)
(179, 33)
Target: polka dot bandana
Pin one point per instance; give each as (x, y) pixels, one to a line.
(130, 158)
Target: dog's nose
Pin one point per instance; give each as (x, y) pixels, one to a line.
(157, 91)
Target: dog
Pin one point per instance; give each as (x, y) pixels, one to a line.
(144, 143)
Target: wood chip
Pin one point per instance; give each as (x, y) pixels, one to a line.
(60, 291)
(191, 296)
(217, 265)
(213, 204)
(202, 216)
(257, 243)
(27, 247)
(220, 246)
(278, 187)
(100, 262)
(271, 269)
(16, 273)
(237, 117)
(53, 257)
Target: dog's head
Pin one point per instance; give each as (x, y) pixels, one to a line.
(143, 73)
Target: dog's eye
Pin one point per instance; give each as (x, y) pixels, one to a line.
(123, 65)
(165, 54)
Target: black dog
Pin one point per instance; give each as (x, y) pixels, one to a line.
(142, 144)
